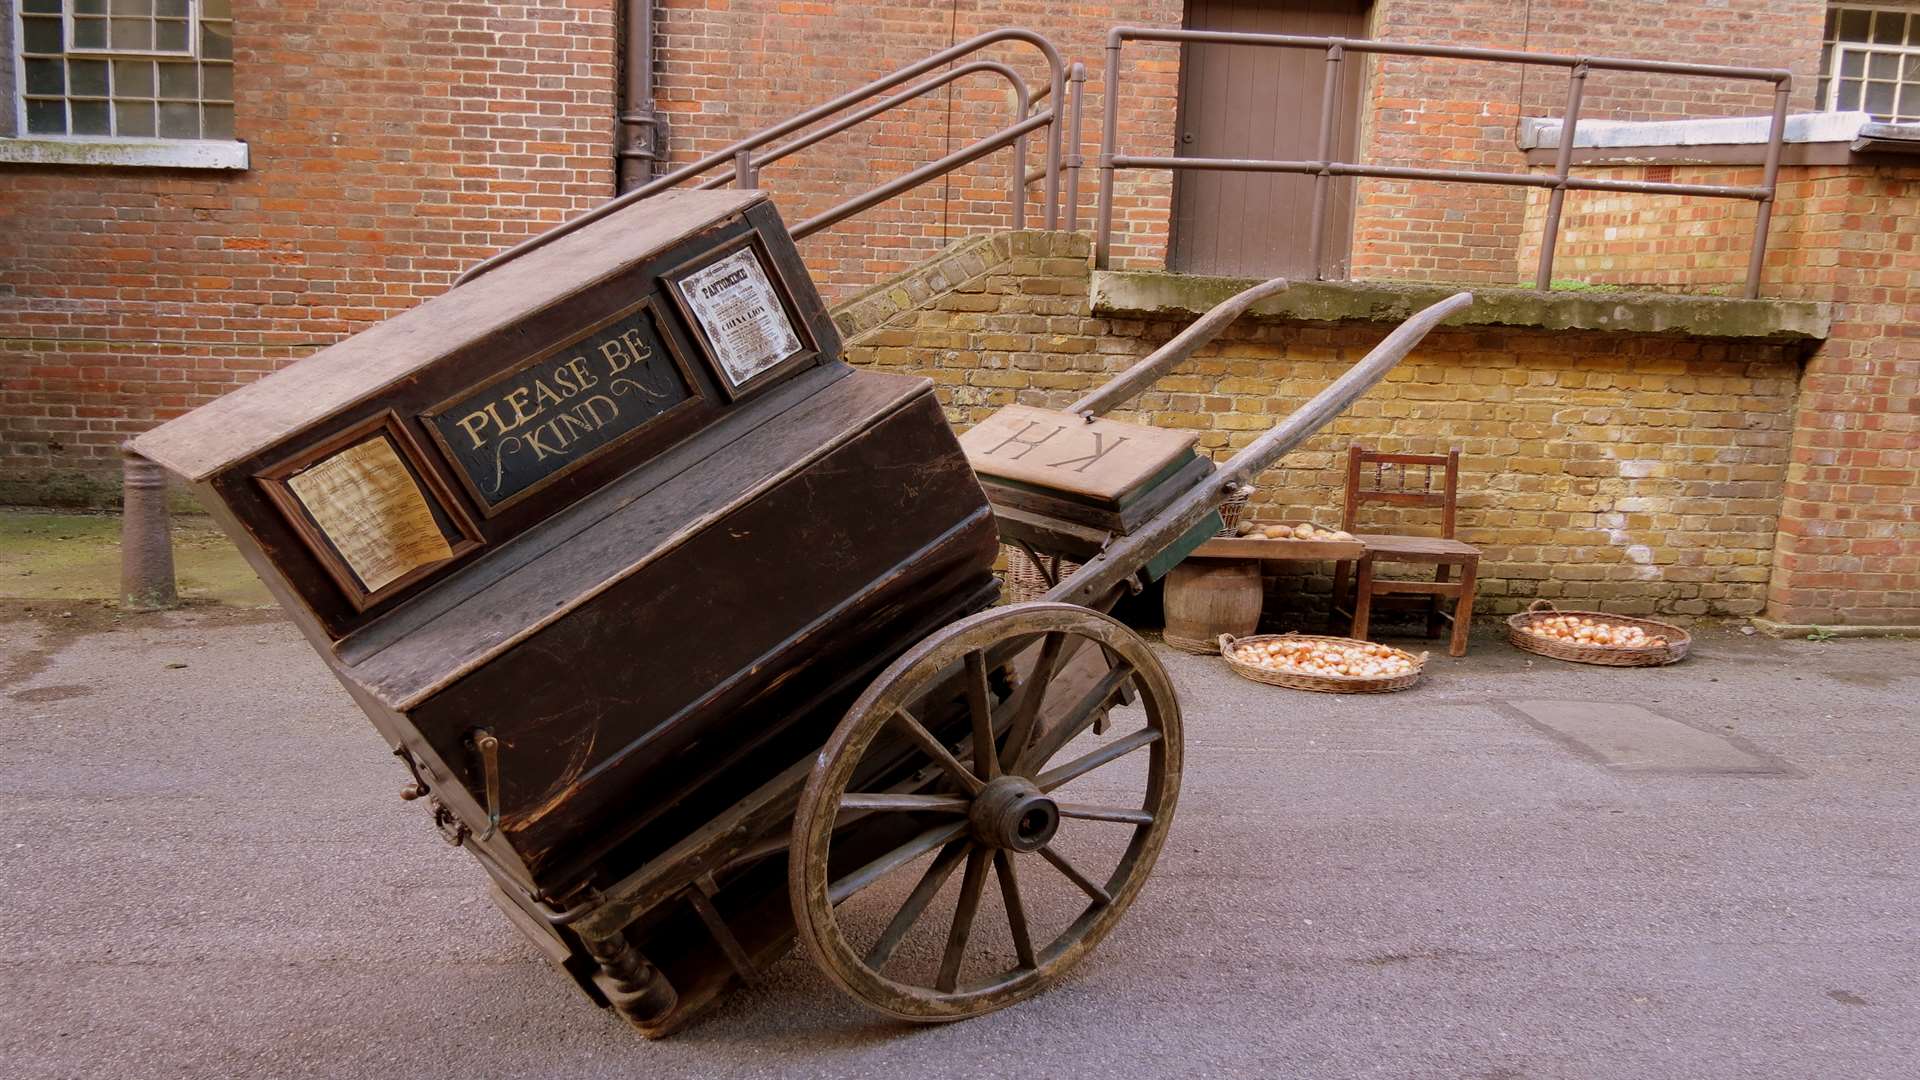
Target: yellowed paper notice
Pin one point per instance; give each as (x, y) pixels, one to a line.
(373, 511)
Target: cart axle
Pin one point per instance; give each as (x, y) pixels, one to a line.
(1010, 812)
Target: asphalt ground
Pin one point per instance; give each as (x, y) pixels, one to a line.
(206, 873)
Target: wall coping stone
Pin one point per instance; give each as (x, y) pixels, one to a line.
(1157, 294)
(954, 265)
(124, 152)
(1544, 131)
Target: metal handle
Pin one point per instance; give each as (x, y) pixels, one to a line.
(489, 747)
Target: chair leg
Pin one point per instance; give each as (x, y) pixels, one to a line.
(1463, 612)
(1440, 575)
(1342, 569)
(1362, 599)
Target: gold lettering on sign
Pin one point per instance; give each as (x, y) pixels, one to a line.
(556, 437)
(526, 426)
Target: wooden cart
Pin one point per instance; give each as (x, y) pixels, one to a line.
(682, 627)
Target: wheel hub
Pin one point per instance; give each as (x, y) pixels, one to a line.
(1011, 813)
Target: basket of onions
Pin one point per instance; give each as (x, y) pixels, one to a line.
(1594, 637)
(1331, 665)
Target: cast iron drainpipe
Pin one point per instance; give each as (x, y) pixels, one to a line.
(642, 131)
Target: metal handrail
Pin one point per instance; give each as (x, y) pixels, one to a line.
(1325, 166)
(1014, 81)
(739, 154)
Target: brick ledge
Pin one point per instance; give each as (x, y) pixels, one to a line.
(1839, 630)
(954, 265)
(1159, 294)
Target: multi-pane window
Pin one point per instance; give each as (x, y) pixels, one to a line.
(1870, 61)
(129, 68)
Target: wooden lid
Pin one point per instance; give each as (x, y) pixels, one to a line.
(1098, 459)
(234, 428)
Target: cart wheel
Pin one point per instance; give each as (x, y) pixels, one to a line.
(1006, 804)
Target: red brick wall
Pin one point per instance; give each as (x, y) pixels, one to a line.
(393, 144)
(1849, 545)
(1666, 243)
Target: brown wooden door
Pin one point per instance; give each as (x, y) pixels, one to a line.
(1243, 101)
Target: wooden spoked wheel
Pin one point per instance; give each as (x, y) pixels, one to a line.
(980, 752)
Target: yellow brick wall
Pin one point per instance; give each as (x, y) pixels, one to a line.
(1640, 474)
(1848, 550)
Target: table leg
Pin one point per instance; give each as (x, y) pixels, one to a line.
(1362, 598)
(1342, 570)
(1441, 573)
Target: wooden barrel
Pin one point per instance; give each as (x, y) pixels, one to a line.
(1208, 597)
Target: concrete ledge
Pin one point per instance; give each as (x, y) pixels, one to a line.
(125, 153)
(1155, 294)
(1540, 131)
(1843, 630)
(959, 263)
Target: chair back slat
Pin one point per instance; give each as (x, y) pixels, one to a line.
(1412, 483)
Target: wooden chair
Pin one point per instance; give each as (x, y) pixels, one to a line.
(1413, 476)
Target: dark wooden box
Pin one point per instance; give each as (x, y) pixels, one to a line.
(617, 504)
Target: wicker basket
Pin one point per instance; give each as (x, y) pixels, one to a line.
(1609, 655)
(1326, 684)
(1025, 581)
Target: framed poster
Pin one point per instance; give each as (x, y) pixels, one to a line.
(739, 310)
(376, 518)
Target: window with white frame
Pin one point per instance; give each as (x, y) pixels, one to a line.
(139, 69)
(1870, 60)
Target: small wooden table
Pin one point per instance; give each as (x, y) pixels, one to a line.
(1264, 550)
(1218, 591)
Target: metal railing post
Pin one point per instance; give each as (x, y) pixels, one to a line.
(1562, 165)
(1075, 157)
(1770, 179)
(1109, 126)
(1018, 196)
(146, 535)
(1323, 179)
(1056, 100)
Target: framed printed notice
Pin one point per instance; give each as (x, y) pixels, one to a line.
(741, 317)
(365, 505)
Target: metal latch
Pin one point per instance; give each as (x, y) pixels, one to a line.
(488, 744)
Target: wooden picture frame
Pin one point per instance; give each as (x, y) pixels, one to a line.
(449, 515)
(650, 305)
(807, 353)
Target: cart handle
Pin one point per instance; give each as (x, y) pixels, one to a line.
(1115, 566)
(1127, 385)
(1342, 392)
